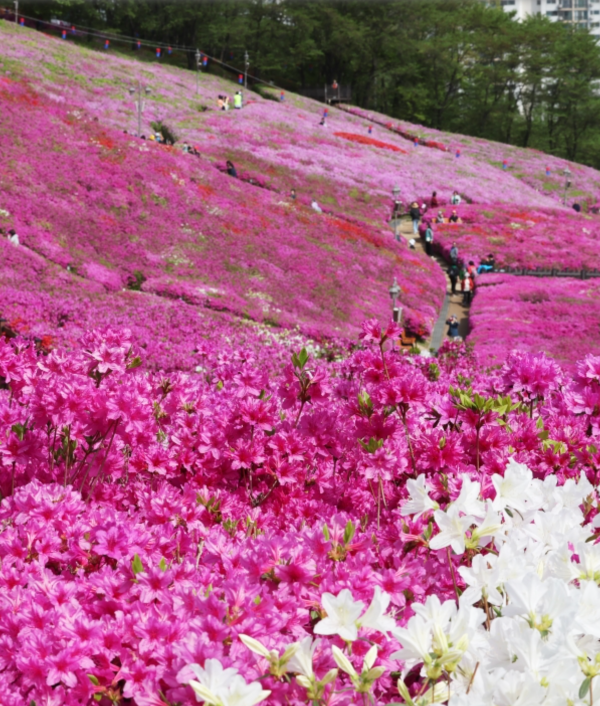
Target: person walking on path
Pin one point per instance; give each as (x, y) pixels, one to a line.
(453, 274)
(452, 327)
(467, 286)
(429, 240)
(415, 214)
(454, 253)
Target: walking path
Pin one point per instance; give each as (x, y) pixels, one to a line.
(452, 303)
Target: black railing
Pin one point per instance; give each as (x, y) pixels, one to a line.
(545, 272)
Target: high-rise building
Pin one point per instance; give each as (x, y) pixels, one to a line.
(584, 14)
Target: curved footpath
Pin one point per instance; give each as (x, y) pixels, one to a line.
(452, 302)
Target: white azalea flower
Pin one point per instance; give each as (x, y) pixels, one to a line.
(452, 530)
(342, 614)
(468, 501)
(302, 660)
(420, 501)
(483, 579)
(515, 489)
(374, 617)
(223, 687)
(415, 639)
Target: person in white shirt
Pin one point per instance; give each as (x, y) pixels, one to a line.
(455, 200)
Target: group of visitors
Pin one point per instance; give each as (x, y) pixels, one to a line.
(190, 149)
(423, 225)
(223, 101)
(466, 274)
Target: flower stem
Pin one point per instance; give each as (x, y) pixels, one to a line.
(453, 575)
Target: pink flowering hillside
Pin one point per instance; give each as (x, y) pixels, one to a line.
(524, 238)
(557, 316)
(121, 213)
(541, 172)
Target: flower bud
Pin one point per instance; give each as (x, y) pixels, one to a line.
(370, 658)
(329, 677)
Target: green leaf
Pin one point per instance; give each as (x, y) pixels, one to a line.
(136, 565)
(429, 531)
(543, 435)
(539, 423)
(442, 442)
(19, 430)
(220, 385)
(257, 600)
(134, 363)
(585, 687)
(163, 564)
(303, 357)
(326, 532)
(349, 532)
(93, 679)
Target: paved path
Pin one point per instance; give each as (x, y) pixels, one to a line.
(452, 302)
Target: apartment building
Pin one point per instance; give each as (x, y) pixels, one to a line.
(584, 14)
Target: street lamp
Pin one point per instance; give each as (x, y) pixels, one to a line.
(246, 66)
(396, 310)
(139, 103)
(568, 175)
(198, 55)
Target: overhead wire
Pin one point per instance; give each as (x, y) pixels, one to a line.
(124, 39)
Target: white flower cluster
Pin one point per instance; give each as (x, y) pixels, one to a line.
(526, 630)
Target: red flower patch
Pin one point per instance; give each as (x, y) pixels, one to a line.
(363, 140)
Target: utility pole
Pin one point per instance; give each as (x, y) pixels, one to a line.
(197, 70)
(16, 11)
(246, 65)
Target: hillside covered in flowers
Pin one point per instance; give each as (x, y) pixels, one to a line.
(222, 480)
